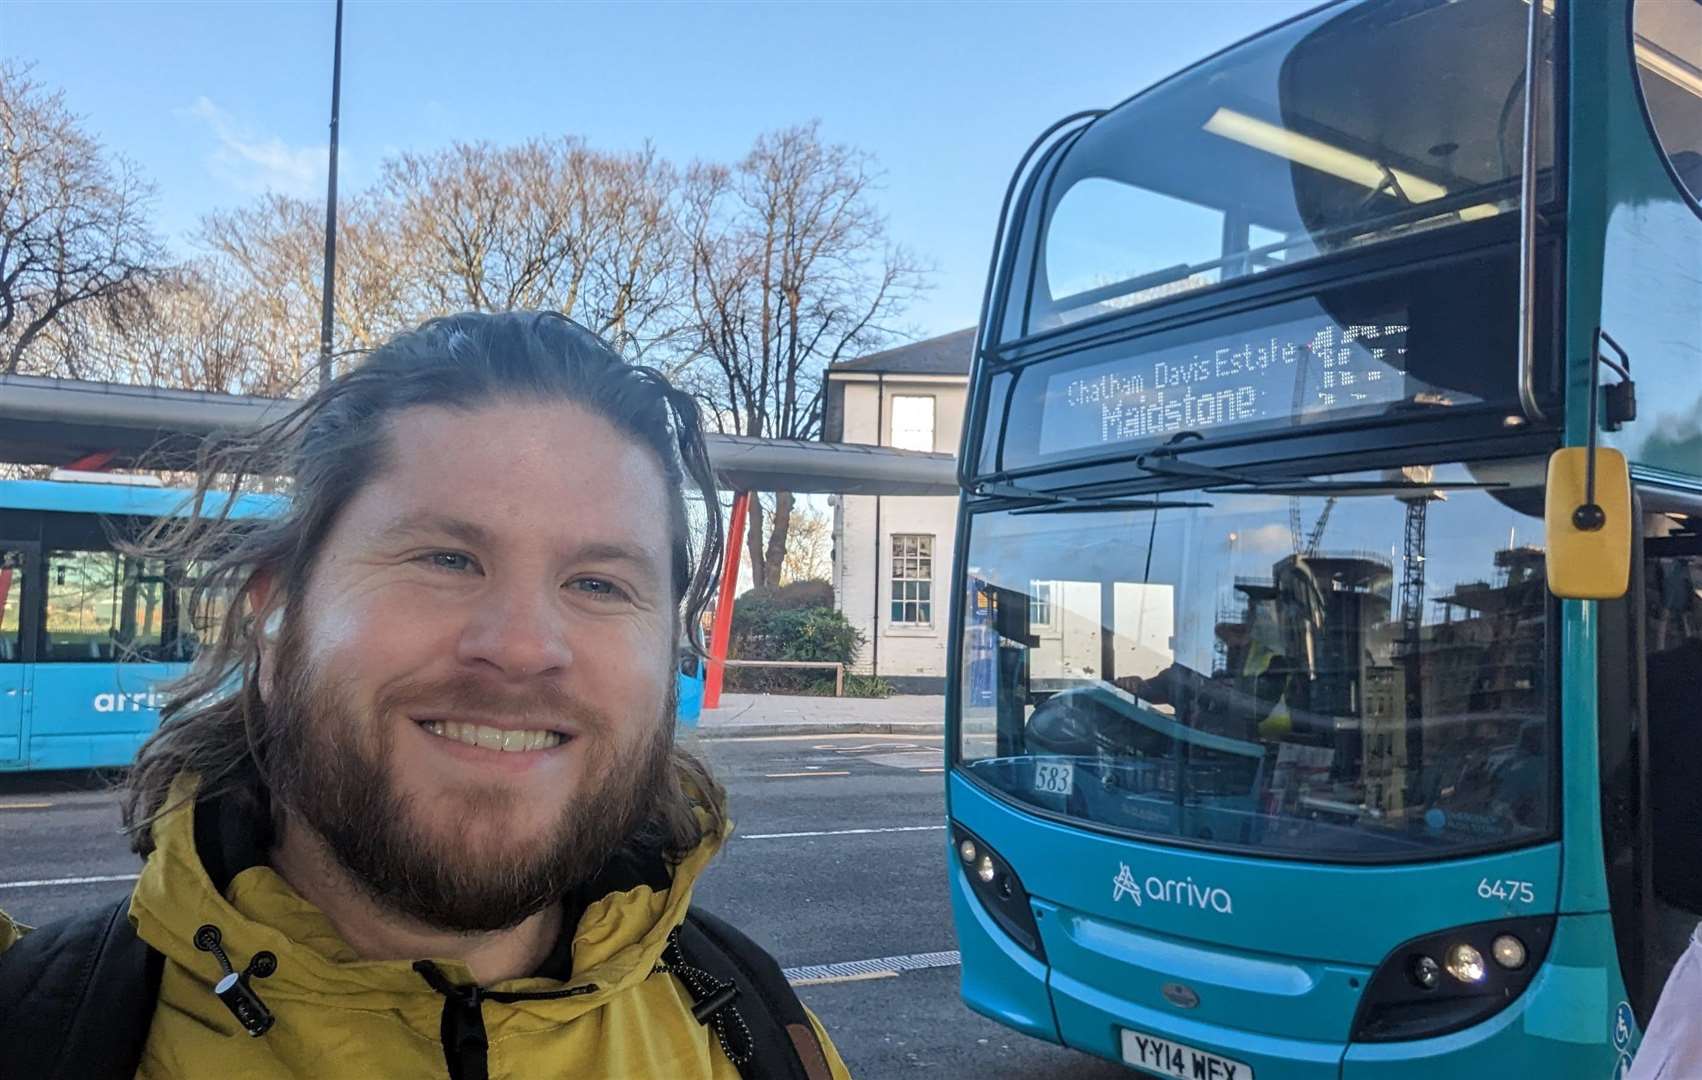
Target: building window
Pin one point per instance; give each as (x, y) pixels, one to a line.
(912, 579)
(913, 423)
(1040, 603)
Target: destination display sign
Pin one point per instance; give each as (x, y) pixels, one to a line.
(1302, 369)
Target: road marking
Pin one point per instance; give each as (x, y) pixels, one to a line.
(874, 746)
(880, 968)
(781, 775)
(42, 882)
(24, 805)
(699, 738)
(840, 832)
(846, 978)
(936, 768)
(907, 760)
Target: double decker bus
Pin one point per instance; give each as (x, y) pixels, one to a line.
(1327, 608)
(89, 634)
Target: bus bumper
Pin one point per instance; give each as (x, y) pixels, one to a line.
(1559, 1029)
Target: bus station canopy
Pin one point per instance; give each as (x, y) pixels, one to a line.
(47, 421)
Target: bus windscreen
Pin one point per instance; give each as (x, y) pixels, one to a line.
(1359, 677)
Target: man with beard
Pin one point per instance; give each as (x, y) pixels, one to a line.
(417, 809)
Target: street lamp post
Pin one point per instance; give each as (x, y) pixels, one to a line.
(331, 209)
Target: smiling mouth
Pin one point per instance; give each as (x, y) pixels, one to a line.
(490, 738)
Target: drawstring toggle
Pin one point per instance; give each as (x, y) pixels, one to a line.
(234, 988)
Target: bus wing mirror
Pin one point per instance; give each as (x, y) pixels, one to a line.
(1588, 521)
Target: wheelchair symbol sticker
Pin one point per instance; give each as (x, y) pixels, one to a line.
(1622, 1024)
(1623, 1069)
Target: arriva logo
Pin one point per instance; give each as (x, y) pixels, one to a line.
(127, 702)
(1182, 891)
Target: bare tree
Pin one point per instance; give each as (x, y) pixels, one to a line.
(809, 547)
(544, 225)
(186, 329)
(73, 222)
(791, 269)
(548, 225)
(273, 254)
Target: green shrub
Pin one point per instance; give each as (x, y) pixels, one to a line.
(766, 628)
(803, 594)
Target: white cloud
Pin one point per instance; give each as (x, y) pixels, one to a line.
(1267, 540)
(259, 163)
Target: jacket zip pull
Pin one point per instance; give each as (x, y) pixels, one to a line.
(234, 987)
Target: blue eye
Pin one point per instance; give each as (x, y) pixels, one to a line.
(450, 560)
(598, 587)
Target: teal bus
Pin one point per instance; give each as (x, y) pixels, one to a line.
(1327, 598)
(88, 634)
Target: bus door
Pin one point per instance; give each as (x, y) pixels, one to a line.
(1651, 749)
(19, 571)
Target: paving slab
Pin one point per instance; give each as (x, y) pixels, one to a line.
(748, 715)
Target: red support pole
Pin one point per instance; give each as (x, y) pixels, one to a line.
(95, 462)
(723, 628)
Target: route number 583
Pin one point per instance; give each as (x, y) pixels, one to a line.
(1512, 891)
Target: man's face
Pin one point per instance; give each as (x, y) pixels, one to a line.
(473, 694)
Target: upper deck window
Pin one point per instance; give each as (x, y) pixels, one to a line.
(1667, 38)
(1353, 125)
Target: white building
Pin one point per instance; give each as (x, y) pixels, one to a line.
(892, 555)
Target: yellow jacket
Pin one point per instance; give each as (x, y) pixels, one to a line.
(339, 1016)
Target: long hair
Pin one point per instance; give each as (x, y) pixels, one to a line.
(328, 448)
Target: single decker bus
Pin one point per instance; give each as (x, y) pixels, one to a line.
(1326, 694)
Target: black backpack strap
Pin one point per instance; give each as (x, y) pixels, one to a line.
(77, 997)
(782, 1043)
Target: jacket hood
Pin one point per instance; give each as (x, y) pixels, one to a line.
(206, 869)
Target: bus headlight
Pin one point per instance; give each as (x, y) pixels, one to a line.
(1509, 952)
(997, 888)
(1407, 996)
(1465, 964)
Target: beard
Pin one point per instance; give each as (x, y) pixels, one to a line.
(331, 768)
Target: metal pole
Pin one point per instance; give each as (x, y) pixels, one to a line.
(1528, 220)
(723, 627)
(331, 209)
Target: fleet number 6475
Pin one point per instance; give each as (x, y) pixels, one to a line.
(1499, 889)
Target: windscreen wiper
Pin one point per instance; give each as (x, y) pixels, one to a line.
(1350, 487)
(1162, 462)
(1054, 503)
(1095, 506)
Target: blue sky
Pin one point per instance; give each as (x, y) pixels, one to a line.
(217, 102)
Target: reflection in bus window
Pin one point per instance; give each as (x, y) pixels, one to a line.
(11, 606)
(1090, 240)
(103, 606)
(1667, 46)
(200, 623)
(1308, 676)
